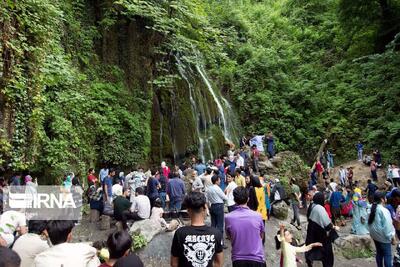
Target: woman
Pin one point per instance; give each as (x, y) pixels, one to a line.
(361, 209)
(320, 229)
(260, 195)
(381, 230)
(253, 202)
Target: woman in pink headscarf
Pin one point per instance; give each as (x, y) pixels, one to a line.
(30, 186)
(166, 170)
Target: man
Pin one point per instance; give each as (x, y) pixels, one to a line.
(122, 209)
(239, 161)
(239, 179)
(295, 201)
(141, 207)
(63, 253)
(152, 187)
(255, 154)
(197, 244)
(176, 192)
(216, 198)
(335, 201)
(197, 184)
(360, 148)
(103, 173)
(31, 244)
(373, 166)
(270, 145)
(206, 178)
(9, 258)
(229, 192)
(200, 167)
(245, 228)
(107, 186)
(342, 176)
(370, 190)
(11, 221)
(333, 185)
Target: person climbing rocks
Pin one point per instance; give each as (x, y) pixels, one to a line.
(360, 148)
(270, 145)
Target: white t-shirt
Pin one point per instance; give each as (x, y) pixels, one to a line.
(333, 185)
(395, 173)
(240, 162)
(11, 220)
(229, 193)
(28, 246)
(142, 206)
(258, 141)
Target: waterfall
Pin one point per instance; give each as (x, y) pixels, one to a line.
(225, 124)
(209, 109)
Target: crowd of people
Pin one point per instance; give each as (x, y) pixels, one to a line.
(237, 196)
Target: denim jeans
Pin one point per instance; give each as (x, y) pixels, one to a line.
(296, 217)
(383, 254)
(163, 198)
(360, 155)
(217, 216)
(175, 204)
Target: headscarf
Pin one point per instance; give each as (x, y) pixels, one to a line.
(317, 213)
(28, 178)
(318, 199)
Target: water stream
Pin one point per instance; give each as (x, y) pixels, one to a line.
(201, 109)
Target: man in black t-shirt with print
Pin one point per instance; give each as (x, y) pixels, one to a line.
(197, 245)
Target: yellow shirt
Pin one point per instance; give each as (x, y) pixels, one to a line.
(240, 181)
(262, 208)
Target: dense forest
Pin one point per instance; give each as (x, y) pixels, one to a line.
(90, 81)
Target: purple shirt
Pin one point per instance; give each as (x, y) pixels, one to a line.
(245, 226)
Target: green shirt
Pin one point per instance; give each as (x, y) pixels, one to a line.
(121, 204)
(295, 191)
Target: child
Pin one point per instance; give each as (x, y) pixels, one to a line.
(157, 213)
(288, 256)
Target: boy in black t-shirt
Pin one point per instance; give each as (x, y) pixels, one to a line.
(197, 245)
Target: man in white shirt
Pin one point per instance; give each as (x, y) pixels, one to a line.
(342, 176)
(10, 222)
(333, 185)
(64, 253)
(239, 161)
(141, 205)
(229, 192)
(33, 243)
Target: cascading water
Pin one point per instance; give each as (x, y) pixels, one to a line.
(209, 108)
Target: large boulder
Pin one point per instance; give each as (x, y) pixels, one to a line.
(288, 165)
(265, 164)
(280, 210)
(354, 242)
(147, 228)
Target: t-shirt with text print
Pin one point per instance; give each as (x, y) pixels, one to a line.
(196, 246)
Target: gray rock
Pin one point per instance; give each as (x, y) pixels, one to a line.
(265, 164)
(148, 228)
(280, 210)
(354, 242)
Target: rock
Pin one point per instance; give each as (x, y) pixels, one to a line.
(147, 228)
(350, 242)
(94, 215)
(265, 164)
(105, 222)
(280, 210)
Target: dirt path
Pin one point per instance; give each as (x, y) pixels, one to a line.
(361, 172)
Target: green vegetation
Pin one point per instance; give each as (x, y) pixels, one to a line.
(78, 78)
(357, 253)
